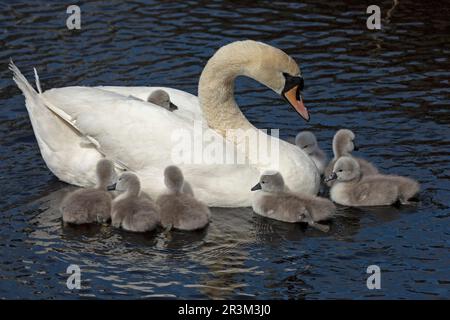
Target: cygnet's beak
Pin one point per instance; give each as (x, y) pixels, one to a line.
(172, 107)
(355, 147)
(332, 176)
(112, 187)
(257, 187)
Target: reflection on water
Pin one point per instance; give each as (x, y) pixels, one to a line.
(391, 87)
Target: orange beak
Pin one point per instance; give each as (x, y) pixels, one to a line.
(295, 100)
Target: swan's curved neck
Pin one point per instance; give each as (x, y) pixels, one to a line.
(216, 93)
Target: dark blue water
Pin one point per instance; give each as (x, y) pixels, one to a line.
(390, 86)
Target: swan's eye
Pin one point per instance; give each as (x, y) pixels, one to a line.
(340, 170)
(263, 182)
(306, 146)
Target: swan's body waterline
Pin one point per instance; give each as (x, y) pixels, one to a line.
(138, 137)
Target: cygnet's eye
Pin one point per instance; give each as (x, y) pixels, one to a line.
(340, 170)
(305, 146)
(263, 182)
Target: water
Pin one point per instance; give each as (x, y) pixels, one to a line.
(391, 87)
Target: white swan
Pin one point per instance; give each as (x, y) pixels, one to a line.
(139, 137)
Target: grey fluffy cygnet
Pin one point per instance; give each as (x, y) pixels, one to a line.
(273, 200)
(91, 204)
(306, 140)
(162, 99)
(353, 189)
(179, 208)
(344, 145)
(131, 210)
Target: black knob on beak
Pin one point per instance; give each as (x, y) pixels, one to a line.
(257, 187)
(172, 107)
(332, 176)
(112, 187)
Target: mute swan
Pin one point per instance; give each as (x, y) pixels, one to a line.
(145, 140)
(179, 209)
(275, 202)
(343, 145)
(306, 140)
(352, 189)
(162, 98)
(92, 204)
(130, 210)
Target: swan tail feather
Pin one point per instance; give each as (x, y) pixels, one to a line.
(54, 129)
(21, 81)
(49, 129)
(38, 83)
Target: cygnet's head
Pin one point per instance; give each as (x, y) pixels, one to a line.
(127, 182)
(173, 178)
(270, 181)
(343, 143)
(306, 140)
(162, 99)
(345, 169)
(105, 172)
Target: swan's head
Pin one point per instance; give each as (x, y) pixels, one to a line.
(173, 178)
(105, 172)
(343, 143)
(306, 140)
(162, 99)
(267, 65)
(270, 181)
(345, 169)
(127, 182)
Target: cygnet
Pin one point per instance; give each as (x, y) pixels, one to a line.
(179, 208)
(132, 210)
(306, 140)
(90, 204)
(274, 200)
(353, 189)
